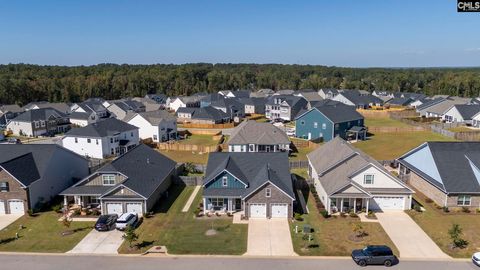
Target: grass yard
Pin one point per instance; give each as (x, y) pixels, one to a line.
(42, 233)
(301, 154)
(384, 122)
(464, 129)
(332, 236)
(183, 234)
(186, 156)
(388, 146)
(205, 140)
(436, 224)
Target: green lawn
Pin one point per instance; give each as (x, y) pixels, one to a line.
(186, 156)
(387, 146)
(384, 122)
(464, 129)
(205, 140)
(436, 224)
(333, 236)
(183, 234)
(42, 233)
(301, 154)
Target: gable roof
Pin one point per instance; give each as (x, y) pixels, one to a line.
(452, 161)
(400, 101)
(208, 113)
(443, 105)
(360, 98)
(153, 117)
(467, 111)
(39, 114)
(257, 133)
(14, 108)
(107, 127)
(337, 112)
(253, 169)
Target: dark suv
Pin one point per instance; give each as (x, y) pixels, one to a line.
(106, 222)
(374, 255)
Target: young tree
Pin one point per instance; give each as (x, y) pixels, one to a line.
(358, 230)
(455, 233)
(130, 236)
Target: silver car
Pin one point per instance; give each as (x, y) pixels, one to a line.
(126, 219)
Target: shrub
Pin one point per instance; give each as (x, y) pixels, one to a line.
(298, 217)
(57, 208)
(342, 214)
(428, 200)
(352, 214)
(445, 209)
(465, 209)
(30, 212)
(477, 210)
(77, 212)
(370, 214)
(95, 212)
(455, 233)
(196, 212)
(324, 213)
(417, 208)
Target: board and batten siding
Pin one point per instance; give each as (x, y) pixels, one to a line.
(306, 124)
(96, 180)
(232, 181)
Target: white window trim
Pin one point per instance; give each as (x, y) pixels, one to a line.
(268, 192)
(105, 176)
(463, 203)
(224, 181)
(365, 179)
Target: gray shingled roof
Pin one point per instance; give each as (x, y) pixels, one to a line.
(467, 111)
(107, 127)
(339, 113)
(14, 108)
(153, 117)
(254, 169)
(360, 98)
(257, 133)
(205, 113)
(39, 114)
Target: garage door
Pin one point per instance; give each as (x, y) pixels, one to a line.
(114, 208)
(258, 210)
(388, 203)
(135, 208)
(16, 207)
(279, 210)
(2, 207)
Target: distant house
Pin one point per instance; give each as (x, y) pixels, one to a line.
(235, 94)
(207, 115)
(158, 98)
(208, 99)
(446, 172)
(252, 136)
(159, 125)
(184, 102)
(149, 104)
(13, 108)
(328, 93)
(399, 102)
(82, 119)
(7, 113)
(102, 139)
(437, 107)
(120, 108)
(61, 107)
(231, 106)
(32, 174)
(262, 93)
(462, 113)
(38, 122)
(329, 120)
(94, 108)
(311, 96)
(134, 182)
(254, 105)
(358, 99)
(284, 107)
(259, 184)
(284, 92)
(347, 179)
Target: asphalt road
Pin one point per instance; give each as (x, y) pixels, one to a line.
(82, 262)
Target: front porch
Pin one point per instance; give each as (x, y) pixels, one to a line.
(226, 205)
(81, 202)
(349, 204)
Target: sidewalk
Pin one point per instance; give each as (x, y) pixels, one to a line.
(190, 200)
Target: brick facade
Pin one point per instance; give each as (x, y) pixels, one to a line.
(16, 192)
(277, 196)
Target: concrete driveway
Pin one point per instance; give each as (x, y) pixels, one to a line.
(6, 220)
(410, 239)
(269, 237)
(99, 243)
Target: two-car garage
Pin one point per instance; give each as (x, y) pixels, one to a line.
(12, 207)
(277, 210)
(120, 208)
(385, 203)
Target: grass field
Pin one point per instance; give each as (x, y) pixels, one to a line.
(464, 129)
(332, 236)
(384, 122)
(183, 234)
(205, 140)
(186, 156)
(42, 233)
(387, 146)
(436, 224)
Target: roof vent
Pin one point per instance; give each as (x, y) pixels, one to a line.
(148, 161)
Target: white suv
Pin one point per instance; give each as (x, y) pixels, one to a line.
(126, 219)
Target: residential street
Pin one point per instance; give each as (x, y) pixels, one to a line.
(81, 262)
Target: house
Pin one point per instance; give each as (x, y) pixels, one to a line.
(259, 184)
(38, 122)
(206, 115)
(60, 106)
(347, 179)
(254, 105)
(284, 107)
(92, 107)
(285, 92)
(399, 102)
(262, 93)
(32, 174)
(252, 136)
(231, 106)
(158, 98)
(208, 99)
(102, 139)
(134, 182)
(235, 94)
(358, 99)
(437, 107)
(159, 125)
(184, 102)
(446, 172)
(328, 93)
(329, 120)
(13, 108)
(7, 113)
(120, 108)
(82, 119)
(310, 96)
(461, 113)
(149, 104)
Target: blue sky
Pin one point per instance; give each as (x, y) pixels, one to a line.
(342, 33)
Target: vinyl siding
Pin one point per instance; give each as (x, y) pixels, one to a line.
(232, 182)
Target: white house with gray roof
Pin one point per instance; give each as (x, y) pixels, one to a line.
(39, 122)
(461, 113)
(158, 125)
(347, 179)
(252, 136)
(102, 139)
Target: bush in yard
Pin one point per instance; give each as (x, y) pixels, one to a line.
(352, 214)
(455, 233)
(298, 217)
(358, 230)
(465, 209)
(130, 236)
(324, 213)
(31, 213)
(196, 212)
(445, 209)
(417, 208)
(57, 208)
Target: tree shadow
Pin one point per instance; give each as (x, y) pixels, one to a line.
(8, 240)
(81, 229)
(167, 200)
(144, 244)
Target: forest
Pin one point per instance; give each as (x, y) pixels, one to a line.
(23, 83)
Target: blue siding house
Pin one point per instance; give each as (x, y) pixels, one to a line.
(329, 120)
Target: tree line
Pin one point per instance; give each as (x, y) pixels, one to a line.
(23, 83)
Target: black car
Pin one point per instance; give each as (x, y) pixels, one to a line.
(374, 255)
(106, 222)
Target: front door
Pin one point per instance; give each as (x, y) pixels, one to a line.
(238, 204)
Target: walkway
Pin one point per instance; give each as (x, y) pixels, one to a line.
(408, 237)
(8, 219)
(269, 237)
(99, 243)
(190, 200)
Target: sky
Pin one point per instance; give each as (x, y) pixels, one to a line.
(350, 33)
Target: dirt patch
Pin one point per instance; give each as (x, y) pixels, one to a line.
(211, 232)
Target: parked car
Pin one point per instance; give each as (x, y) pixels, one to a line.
(126, 219)
(476, 258)
(374, 255)
(106, 222)
(14, 141)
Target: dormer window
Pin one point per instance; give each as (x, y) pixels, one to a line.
(368, 179)
(108, 179)
(268, 192)
(224, 181)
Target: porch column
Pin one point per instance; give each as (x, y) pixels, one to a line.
(204, 205)
(229, 207)
(341, 205)
(65, 203)
(354, 205)
(368, 200)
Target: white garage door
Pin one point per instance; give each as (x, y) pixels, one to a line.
(114, 208)
(16, 207)
(388, 203)
(279, 210)
(258, 210)
(135, 208)
(2, 207)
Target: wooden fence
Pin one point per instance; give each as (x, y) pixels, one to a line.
(187, 147)
(298, 164)
(208, 126)
(189, 180)
(395, 129)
